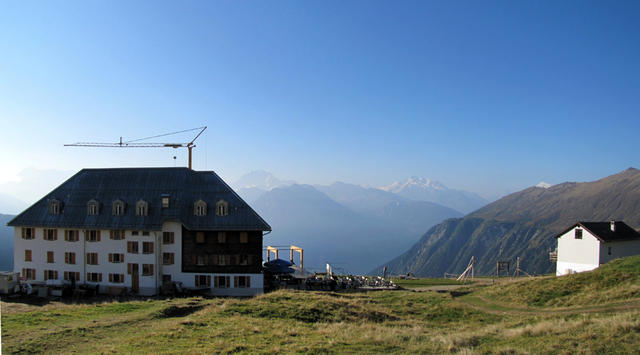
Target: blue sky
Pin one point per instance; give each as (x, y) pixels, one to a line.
(486, 96)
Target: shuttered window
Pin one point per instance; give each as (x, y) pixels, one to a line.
(29, 274)
(132, 247)
(50, 275)
(242, 281)
(147, 269)
(92, 258)
(222, 281)
(27, 255)
(147, 247)
(203, 280)
(167, 238)
(50, 257)
(116, 278)
(167, 258)
(71, 235)
(244, 237)
(69, 258)
(92, 235)
(28, 233)
(50, 234)
(116, 258)
(116, 234)
(94, 277)
(71, 275)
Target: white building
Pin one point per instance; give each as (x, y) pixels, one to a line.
(587, 245)
(135, 228)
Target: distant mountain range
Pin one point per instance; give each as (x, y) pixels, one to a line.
(421, 189)
(522, 224)
(6, 243)
(354, 233)
(254, 184)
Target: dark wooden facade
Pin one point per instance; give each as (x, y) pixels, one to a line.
(211, 252)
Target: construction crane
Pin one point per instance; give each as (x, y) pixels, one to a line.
(136, 142)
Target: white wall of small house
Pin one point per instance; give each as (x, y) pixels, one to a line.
(619, 249)
(577, 255)
(148, 285)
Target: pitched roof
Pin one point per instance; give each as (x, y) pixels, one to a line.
(183, 186)
(602, 231)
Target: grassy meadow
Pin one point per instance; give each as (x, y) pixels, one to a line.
(595, 314)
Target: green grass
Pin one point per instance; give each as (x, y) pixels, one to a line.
(616, 281)
(359, 322)
(426, 282)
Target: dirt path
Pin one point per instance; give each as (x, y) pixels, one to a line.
(484, 304)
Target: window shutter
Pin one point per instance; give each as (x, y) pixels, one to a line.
(129, 269)
(110, 277)
(122, 258)
(216, 282)
(248, 282)
(150, 269)
(110, 257)
(196, 281)
(55, 234)
(235, 281)
(23, 233)
(111, 234)
(172, 238)
(98, 235)
(86, 235)
(209, 280)
(56, 274)
(227, 280)
(171, 257)
(45, 275)
(100, 277)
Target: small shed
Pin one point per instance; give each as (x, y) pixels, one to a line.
(586, 245)
(8, 282)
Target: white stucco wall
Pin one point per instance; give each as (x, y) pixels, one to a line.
(148, 285)
(577, 255)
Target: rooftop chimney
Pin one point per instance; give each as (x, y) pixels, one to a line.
(613, 226)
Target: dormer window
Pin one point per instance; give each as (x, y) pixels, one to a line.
(54, 206)
(222, 208)
(118, 208)
(142, 208)
(200, 208)
(93, 208)
(165, 201)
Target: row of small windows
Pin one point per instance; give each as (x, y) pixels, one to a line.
(222, 281)
(147, 270)
(92, 258)
(141, 207)
(91, 235)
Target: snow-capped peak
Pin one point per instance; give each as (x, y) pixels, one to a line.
(544, 185)
(414, 182)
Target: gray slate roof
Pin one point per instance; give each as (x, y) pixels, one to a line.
(184, 186)
(602, 231)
